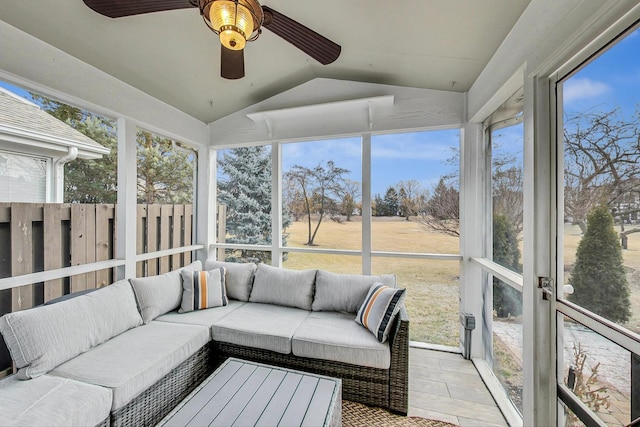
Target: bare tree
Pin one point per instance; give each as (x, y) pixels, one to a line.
(349, 193)
(316, 189)
(442, 213)
(507, 195)
(412, 198)
(602, 153)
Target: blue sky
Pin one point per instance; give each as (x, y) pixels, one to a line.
(419, 156)
(611, 80)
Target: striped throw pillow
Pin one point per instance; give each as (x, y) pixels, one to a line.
(203, 289)
(379, 308)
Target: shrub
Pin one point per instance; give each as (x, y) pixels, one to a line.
(506, 300)
(598, 277)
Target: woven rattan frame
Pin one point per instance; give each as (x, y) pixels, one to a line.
(158, 400)
(387, 388)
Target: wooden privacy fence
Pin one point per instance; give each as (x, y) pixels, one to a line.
(39, 237)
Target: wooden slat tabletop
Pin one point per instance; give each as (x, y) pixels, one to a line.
(243, 393)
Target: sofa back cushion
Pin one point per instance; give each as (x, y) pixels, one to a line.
(157, 295)
(42, 338)
(291, 288)
(345, 292)
(238, 277)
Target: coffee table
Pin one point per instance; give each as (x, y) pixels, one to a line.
(244, 393)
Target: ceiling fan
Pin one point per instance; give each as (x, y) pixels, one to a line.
(236, 22)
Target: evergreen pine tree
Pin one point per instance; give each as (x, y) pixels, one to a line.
(598, 277)
(377, 206)
(93, 181)
(391, 202)
(506, 300)
(165, 173)
(245, 187)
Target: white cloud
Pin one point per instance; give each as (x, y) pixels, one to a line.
(426, 146)
(579, 89)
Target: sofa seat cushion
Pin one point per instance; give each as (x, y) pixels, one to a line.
(132, 362)
(335, 336)
(264, 326)
(52, 401)
(202, 317)
(44, 337)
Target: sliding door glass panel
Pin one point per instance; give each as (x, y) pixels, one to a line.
(415, 192)
(599, 268)
(602, 184)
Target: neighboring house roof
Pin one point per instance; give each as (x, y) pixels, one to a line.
(22, 122)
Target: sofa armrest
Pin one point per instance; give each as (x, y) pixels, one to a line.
(399, 369)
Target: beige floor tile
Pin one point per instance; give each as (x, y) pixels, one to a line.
(459, 408)
(445, 386)
(469, 422)
(427, 386)
(478, 394)
(462, 366)
(425, 361)
(434, 415)
(446, 376)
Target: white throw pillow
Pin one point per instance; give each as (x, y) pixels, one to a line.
(379, 309)
(203, 289)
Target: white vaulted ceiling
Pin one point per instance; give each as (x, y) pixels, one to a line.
(174, 57)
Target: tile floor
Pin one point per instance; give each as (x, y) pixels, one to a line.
(447, 387)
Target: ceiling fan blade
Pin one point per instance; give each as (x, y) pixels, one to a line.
(231, 63)
(313, 44)
(120, 8)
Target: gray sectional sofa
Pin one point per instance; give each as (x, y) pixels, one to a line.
(126, 354)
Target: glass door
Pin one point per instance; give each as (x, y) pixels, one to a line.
(598, 253)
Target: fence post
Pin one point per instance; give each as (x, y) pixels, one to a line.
(53, 250)
(21, 253)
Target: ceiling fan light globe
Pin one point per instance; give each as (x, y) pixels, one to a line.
(226, 14)
(232, 39)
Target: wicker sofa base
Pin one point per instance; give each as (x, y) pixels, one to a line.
(386, 388)
(158, 400)
(362, 384)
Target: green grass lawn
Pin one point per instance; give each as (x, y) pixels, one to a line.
(432, 286)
